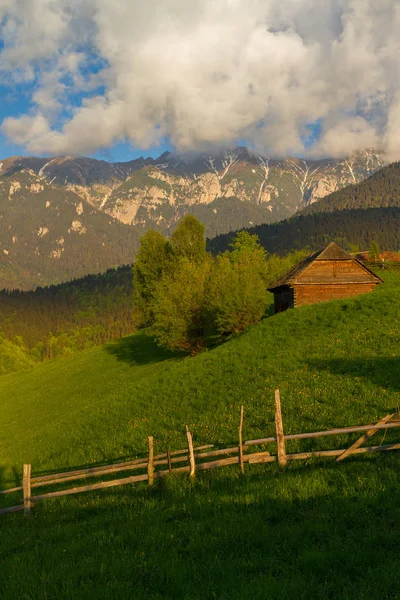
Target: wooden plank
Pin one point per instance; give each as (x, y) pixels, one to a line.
(363, 438)
(260, 457)
(12, 509)
(241, 462)
(94, 486)
(368, 449)
(267, 440)
(220, 452)
(315, 434)
(89, 473)
(11, 490)
(26, 485)
(224, 462)
(279, 430)
(191, 453)
(150, 466)
(113, 468)
(86, 475)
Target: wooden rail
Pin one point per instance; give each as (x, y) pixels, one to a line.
(194, 456)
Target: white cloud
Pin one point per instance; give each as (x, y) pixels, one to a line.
(206, 72)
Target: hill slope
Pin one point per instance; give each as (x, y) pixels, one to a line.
(378, 191)
(49, 234)
(348, 228)
(335, 364)
(167, 392)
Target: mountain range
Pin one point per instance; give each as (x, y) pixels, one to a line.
(65, 217)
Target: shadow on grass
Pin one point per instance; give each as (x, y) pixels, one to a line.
(140, 349)
(304, 533)
(383, 371)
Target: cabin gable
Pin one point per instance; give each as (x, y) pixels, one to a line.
(334, 271)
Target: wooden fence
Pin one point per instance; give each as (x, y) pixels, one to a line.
(198, 459)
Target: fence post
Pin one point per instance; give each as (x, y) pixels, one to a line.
(282, 460)
(241, 462)
(169, 461)
(191, 453)
(26, 487)
(150, 464)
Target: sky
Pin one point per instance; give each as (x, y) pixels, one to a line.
(121, 79)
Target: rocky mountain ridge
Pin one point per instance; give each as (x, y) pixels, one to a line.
(158, 192)
(65, 217)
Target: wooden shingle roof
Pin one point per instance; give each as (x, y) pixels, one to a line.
(332, 253)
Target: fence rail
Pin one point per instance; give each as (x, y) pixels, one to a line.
(192, 455)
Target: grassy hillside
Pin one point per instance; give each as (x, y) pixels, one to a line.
(318, 530)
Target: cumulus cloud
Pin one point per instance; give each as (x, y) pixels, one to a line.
(204, 73)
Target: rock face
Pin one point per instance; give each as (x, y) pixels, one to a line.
(158, 192)
(49, 234)
(65, 217)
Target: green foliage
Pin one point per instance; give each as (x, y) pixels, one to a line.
(188, 239)
(154, 257)
(374, 251)
(244, 242)
(193, 296)
(237, 291)
(178, 306)
(13, 356)
(60, 320)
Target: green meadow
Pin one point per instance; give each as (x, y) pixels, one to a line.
(315, 529)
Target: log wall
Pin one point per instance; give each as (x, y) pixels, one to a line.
(312, 294)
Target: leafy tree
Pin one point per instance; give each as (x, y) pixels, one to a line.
(237, 291)
(178, 306)
(188, 239)
(374, 251)
(154, 257)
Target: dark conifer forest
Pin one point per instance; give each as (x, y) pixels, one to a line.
(381, 190)
(351, 229)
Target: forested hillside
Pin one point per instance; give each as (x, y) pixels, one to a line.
(351, 229)
(49, 235)
(60, 320)
(378, 191)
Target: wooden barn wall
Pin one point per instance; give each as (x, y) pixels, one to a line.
(311, 294)
(331, 271)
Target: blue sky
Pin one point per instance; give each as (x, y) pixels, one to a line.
(15, 101)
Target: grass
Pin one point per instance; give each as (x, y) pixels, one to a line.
(313, 530)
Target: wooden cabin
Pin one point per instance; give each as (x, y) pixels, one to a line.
(326, 275)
